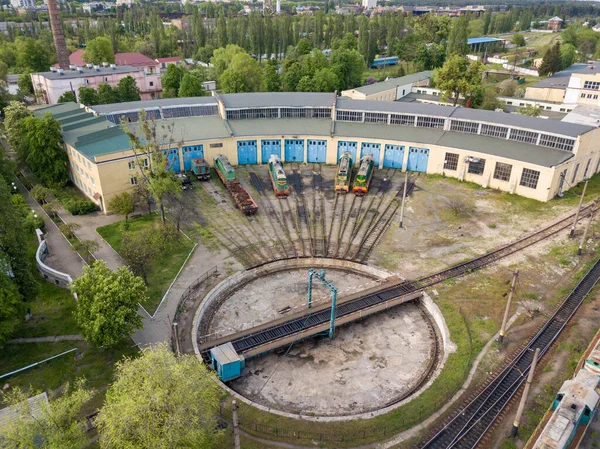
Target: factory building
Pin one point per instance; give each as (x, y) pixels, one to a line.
(527, 156)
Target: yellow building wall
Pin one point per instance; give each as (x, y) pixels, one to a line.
(545, 94)
(114, 175)
(85, 175)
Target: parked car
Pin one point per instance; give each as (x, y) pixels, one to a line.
(186, 183)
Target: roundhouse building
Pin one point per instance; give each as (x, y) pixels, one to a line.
(527, 156)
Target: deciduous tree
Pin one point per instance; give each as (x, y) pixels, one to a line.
(272, 78)
(159, 401)
(191, 86)
(128, 89)
(107, 94)
(14, 114)
(107, 303)
(122, 204)
(45, 155)
(459, 77)
(552, 62)
(87, 96)
(67, 97)
(86, 248)
(59, 424)
(99, 50)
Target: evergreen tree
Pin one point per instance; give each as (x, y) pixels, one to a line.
(457, 42)
(272, 78)
(552, 62)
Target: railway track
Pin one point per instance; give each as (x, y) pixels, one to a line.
(471, 423)
(245, 340)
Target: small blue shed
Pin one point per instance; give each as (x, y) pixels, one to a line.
(227, 362)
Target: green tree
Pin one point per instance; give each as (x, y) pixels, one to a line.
(304, 47)
(487, 19)
(305, 84)
(552, 62)
(67, 97)
(325, 80)
(40, 193)
(122, 204)
(139, 251)
(172, 78)
(159, 180)
(10, 305)
(457, 42)
(107, 94)
(32, 54)
(99, 50)
(530, 110)
(107, 303)
(168, 401)
(233, 82)
(14, 114)
(87, 96)
(292, 76)
(518, 40)
(459, 77)
(568, 54)
(128, 89)
(272, 78)
(45, 155)
(222, 59)
(68, 229)
(490, 100)
(191, 86)
(24, 83)
(86, 248)
(348, 66)
(60, 424)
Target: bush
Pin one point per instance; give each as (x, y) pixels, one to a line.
(79, 207)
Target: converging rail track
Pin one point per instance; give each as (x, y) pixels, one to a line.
(268, 336)
(470, 423)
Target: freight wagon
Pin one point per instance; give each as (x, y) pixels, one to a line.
(242, 198)
(201, 169)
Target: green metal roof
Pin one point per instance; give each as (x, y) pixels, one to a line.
(185, 129)
(58, 110)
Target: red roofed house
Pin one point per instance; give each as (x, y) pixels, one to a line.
(133, 59)
(164, 62)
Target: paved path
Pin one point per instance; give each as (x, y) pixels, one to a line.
(89, 223)
(46, 339)
(158, 329)
(61, 256)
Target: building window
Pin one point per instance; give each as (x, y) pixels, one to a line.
(216, 145)
(430, 122)
(89, 165)
(476, 166)
(582, 95)
(560, 143)
(595, 97)
(398, 119)
(494, 131)
(591, 85)
(133, 180)
(349, 116)
(530, 178)
(587, 167)
(575, 173)
(151, 83)
(145, 162)
(502, 171)
(464, 126)
(131, 165)
(521, 135)
(93, 182)
(451, 162)
(375, 117)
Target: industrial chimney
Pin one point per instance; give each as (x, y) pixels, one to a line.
(59, 35)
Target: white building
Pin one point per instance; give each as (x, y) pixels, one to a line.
(369, 4)
(22, 3)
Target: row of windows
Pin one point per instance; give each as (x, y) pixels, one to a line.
(462, 126)
(560, 143)
(174, 112)
(589, 96)
(132, 164)
(254, 113)
(591, 85)
(520, 135)
(502, 172)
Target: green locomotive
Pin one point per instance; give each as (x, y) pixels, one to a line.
(224, 169)
(344, 172)
(278, 178)
(364, 175)
(240, 195)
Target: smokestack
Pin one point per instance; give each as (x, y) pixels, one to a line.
(278, 10)
(59, 35)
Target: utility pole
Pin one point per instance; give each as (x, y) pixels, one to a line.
(236, 425)
(510, 295)
(587, 228)
(403, 200)
(572, 234)
(176, 338)
(515, 428)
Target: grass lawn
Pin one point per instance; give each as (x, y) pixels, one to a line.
(164, 270)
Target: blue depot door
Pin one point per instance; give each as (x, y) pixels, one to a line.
(317, 151)
(417, 159)
(347, 146)
(173, 163)
(393, 156)
(189, 153)
(269, 147)
(294, 150)
(247, 153)
(371, 148)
